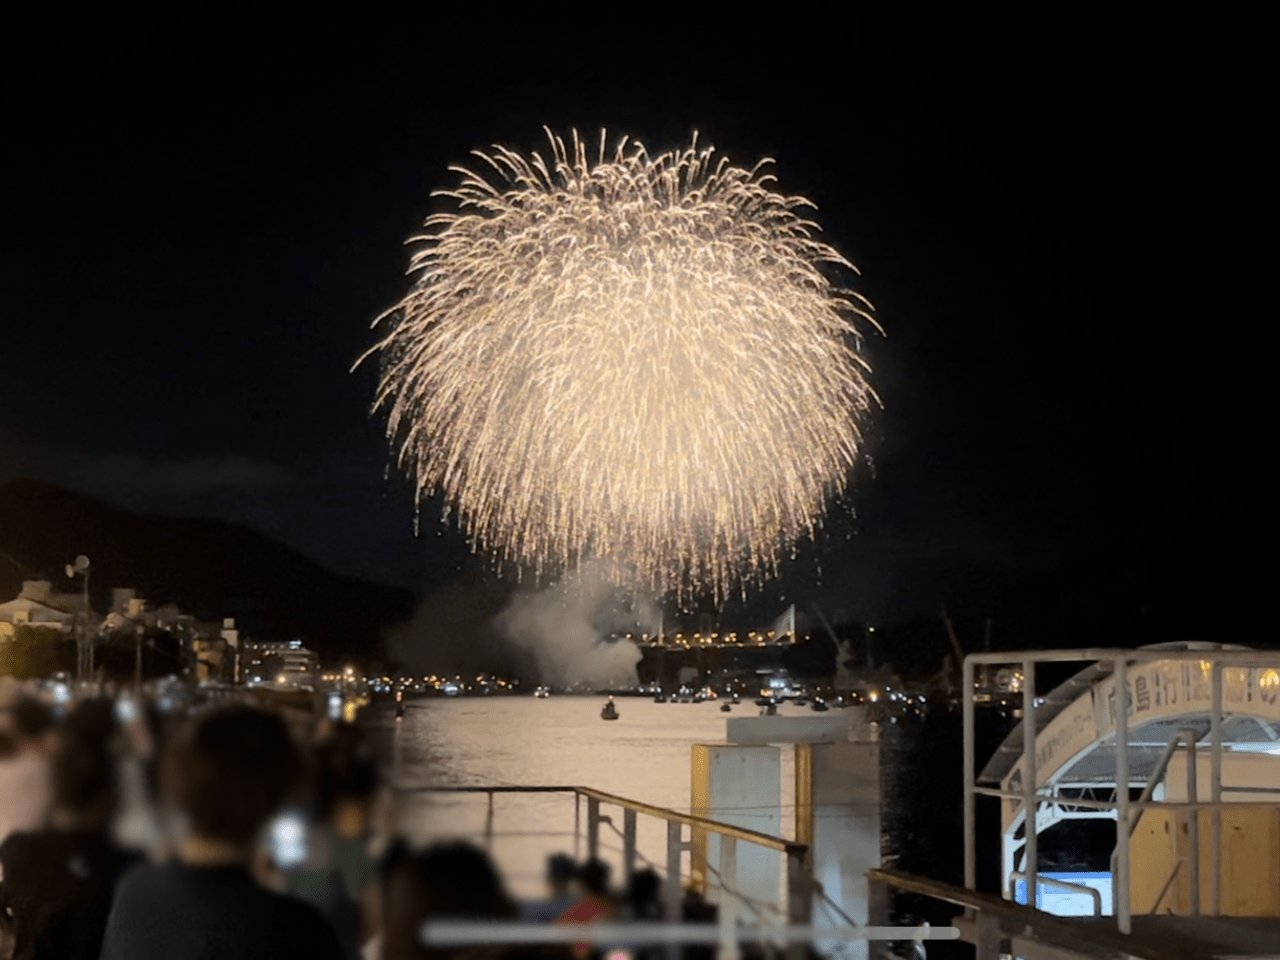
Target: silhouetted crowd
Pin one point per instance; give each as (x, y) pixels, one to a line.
(225, 832)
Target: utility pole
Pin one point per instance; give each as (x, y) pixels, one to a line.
(137, 661)
(84, 642)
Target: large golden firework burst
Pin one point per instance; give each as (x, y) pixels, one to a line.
(639, 359)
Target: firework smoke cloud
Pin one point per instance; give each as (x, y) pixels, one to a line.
(645, 360)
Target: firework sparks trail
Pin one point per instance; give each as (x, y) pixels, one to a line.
(632, 357)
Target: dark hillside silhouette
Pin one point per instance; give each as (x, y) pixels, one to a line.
(209, 568)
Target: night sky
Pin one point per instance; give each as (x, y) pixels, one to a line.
(198, 226)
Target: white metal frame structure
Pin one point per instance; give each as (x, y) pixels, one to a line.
(1127, 689)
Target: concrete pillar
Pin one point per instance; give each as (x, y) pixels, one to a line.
(838, 815)
(740, 786)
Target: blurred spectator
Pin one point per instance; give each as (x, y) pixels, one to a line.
(561, 871)
(334, 871)
(594, 905)
(696, 909)
(452, 880)
(642, 901)
(137, 824)
(26, 789)
(58, 882)
(643, 898)
(227, 775)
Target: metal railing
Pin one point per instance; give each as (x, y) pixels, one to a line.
(997, 927)
(1095, 896)
(800, 886)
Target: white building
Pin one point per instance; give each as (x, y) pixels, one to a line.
(287, 664)
(38, 606)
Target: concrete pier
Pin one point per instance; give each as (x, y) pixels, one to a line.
(838, 816)
(740, 786)
(838, 800)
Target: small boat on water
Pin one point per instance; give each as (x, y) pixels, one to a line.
(610, 711)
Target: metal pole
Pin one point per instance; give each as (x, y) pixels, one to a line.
(1215, 789)
(1030, 807)
(799, 897)
(728, 907)
(628, 843)
(488, 824)
(593, 828)
(671, 894)
(1193, 825)
(970, 842)
(88, 623)
(1120, 889)
(577, 823)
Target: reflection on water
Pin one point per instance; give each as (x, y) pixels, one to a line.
(643, 755)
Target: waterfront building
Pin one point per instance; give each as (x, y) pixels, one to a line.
(281, 664)
(38, 606)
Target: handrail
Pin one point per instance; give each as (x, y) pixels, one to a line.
(1092, 892)
(1082, 935)
(800, 884)
(789, 847)
(1133, 804)
(1178, 737)
(1173, 875)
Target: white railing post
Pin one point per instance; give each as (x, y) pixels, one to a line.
(1120, 892)
(970, 829)
(728, 899)
(1215, 788)
(671, 894)
(1030, 806)
(1193, 826)
(628, 843)
(593, 828)
(799, 896)
(488, 825)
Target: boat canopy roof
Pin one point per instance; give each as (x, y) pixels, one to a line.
(1096, 763)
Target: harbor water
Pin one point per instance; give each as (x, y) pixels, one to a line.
(644, 755)
(560, 741)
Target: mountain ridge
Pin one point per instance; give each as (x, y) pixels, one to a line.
(208, 567)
